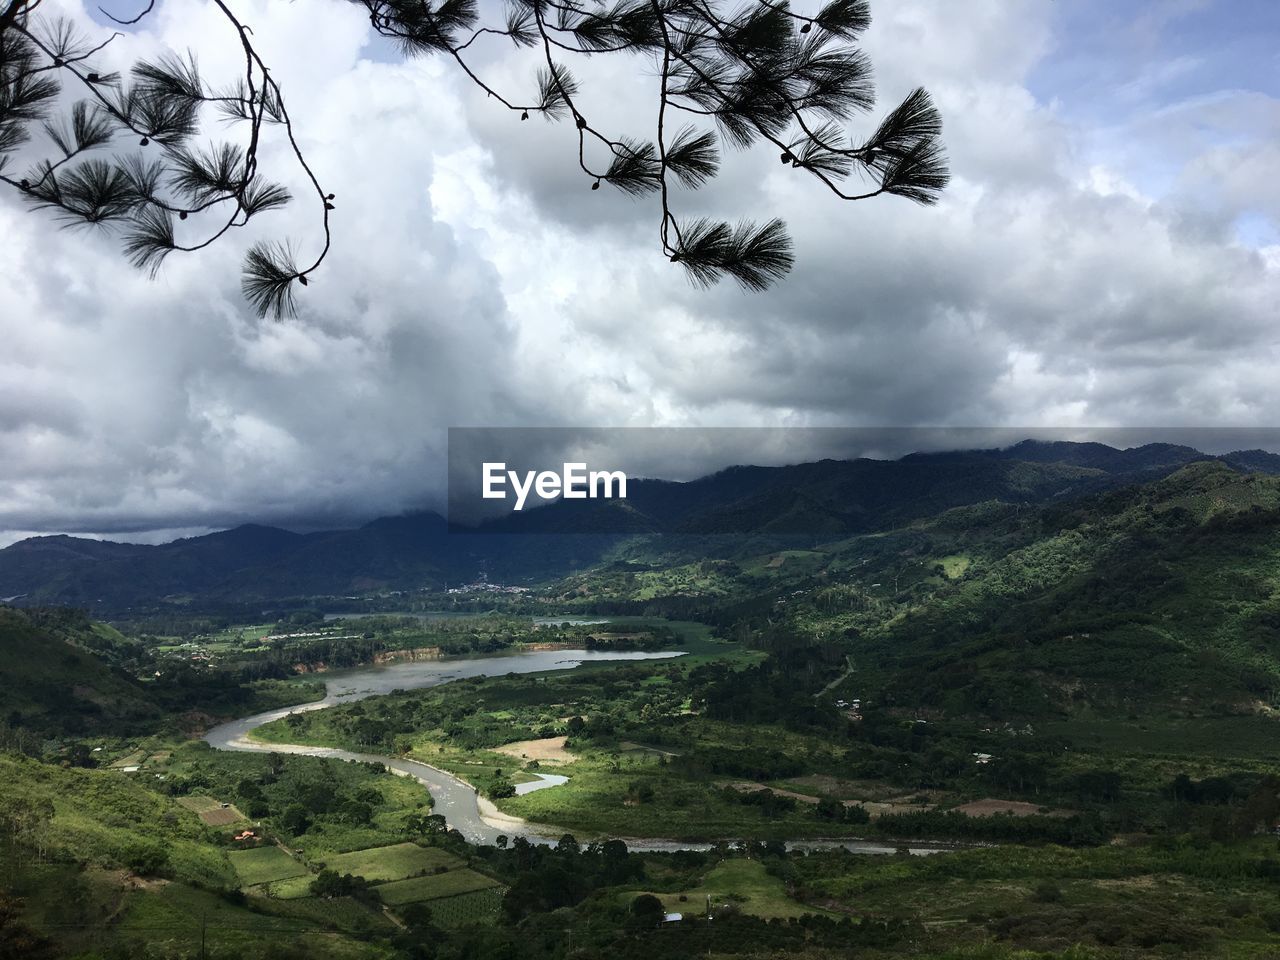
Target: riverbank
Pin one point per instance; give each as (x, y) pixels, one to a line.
(476, 817)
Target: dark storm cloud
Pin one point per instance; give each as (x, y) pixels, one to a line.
(1069, 277)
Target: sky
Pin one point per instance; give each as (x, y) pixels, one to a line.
(1107, 255)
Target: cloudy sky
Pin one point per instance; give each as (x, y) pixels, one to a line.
(1108, 254)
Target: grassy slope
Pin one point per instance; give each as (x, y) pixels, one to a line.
(123, 864)
(744, 883)
(1177, 899)
(105, 819)
(49, 683)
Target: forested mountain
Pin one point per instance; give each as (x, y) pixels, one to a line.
(818, 501)
(1159, 598)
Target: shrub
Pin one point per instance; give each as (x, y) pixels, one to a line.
(1047, 892)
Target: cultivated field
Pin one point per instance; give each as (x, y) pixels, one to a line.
(265, 864)
(395, 862)
(743, 883)
(478, 906)
(211, 811)
(418, 889)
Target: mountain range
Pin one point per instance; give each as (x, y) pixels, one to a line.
(816, 501)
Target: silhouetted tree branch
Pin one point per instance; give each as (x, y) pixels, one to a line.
(759, 72)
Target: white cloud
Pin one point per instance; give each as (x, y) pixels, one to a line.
(475, 279)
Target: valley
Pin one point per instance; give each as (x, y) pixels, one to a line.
(1068, 700)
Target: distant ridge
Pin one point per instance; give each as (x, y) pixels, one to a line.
(826, 498)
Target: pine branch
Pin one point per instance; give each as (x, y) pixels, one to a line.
(150, 240)
(634, 168)
(693, 158)
(555, 86)
(519, 27)
(90, 127)
(756, 257)
(845, 18)
(202, 176)
(920, 174)
(267, 282)
(259, 195)
(759, 72)
(238, 104)
(759, 257)
(93, 192)
(913, 121)
(171, 77)
(825, 150)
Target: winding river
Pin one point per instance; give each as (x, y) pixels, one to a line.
(473, 816)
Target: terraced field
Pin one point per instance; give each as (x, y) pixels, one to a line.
(479, 906)
(401, 874)
(436, 886)
(265, 865)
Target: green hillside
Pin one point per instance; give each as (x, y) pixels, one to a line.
(1164, 598)
(63, 675)
(56, 675)
(97, 864)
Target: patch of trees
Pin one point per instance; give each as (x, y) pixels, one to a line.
(779, 690)
(749, 763)
(605, 932)
(1067, 831)
(295, 795)
(17, 939)
(543, 878)
(1109, 925)
(1225, 807)
(329, 885)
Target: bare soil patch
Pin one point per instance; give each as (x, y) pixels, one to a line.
(211, 811)
(547, 750)
(989, 806)
(222, 817)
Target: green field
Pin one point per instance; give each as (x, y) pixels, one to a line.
(199, 804)
(478, 906)
(171, 920)
(433, 887)
(265, 864)
(293, 888)
(742, 883)
(395, 862)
